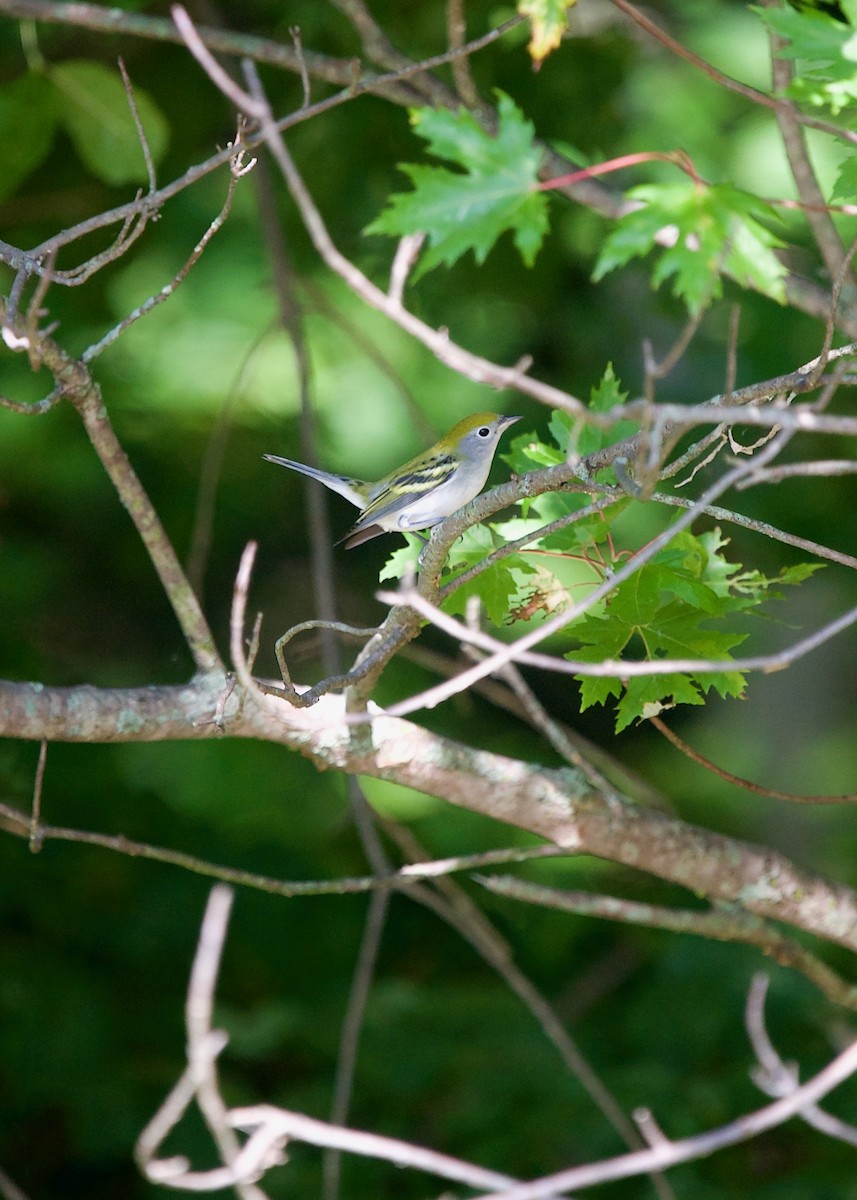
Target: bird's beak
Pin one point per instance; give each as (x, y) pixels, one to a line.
(507, 421)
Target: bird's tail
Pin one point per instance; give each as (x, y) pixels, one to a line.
(354, 490)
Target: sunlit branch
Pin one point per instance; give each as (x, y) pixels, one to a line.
(445, 534)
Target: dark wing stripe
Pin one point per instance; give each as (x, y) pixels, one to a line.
(435, 472)
(401, 490)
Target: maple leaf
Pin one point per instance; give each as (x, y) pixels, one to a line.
(494, 189)
(700, 233)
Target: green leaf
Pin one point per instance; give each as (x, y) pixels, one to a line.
(678, 606)
(469, 209)
(496, 586)
(699, 233)
(827, 50)
(605, 395)
(28, 118)
(404, 561)
(646, 695)
(548, 22)
(845, 188)
(812, 36)
(93, 107)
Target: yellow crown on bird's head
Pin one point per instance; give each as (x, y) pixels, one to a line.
(489, 421)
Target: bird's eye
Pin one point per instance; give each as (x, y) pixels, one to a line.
(484, 431)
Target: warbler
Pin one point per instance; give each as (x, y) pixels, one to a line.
(423, 490)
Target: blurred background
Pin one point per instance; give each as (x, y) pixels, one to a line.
(95, 948)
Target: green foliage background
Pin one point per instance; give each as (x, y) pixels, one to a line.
(95, 948)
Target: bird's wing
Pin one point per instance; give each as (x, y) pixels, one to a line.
(416, 478)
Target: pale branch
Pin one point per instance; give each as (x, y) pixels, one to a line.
(609, 668)
(138, 125)
(204, 1043)
(435, 553)
(559, 805)
(135, 214)
(826, 468)
(763, 528)
(665, 1153)
(758, 403)
(612, 495)
(401, 625)
(116, 21)
(269, 1129)
(777, 1078)
(25, 825)
(723, 923)
(438, 341)
(9, 1190)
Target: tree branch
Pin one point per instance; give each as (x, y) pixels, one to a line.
(76, 384)
(559, 805)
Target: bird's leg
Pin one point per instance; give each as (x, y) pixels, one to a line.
(425, 541)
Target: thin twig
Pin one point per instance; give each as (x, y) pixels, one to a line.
(452, 904)
(204, 1043)
(77, 385)
(303, 71)
(777, 1078)
(349, 1037)
(403, 878)
(36, 831)
(726, 81)
(9, 1190)
(138, 125)
(812, 198)
(456, 26)
(723, 923)
(746, 784)
(238, 169)
(292, 321)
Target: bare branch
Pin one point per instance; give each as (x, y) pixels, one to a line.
(721, 923)
(746, 784)
(733, 85)
(776, 1078)
(76, 384)
(558, 805)
(456, 25)
(667, 1153)
(818, 218)
(238, 169)
(138, 125)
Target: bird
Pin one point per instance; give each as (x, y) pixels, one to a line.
(424, 490)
